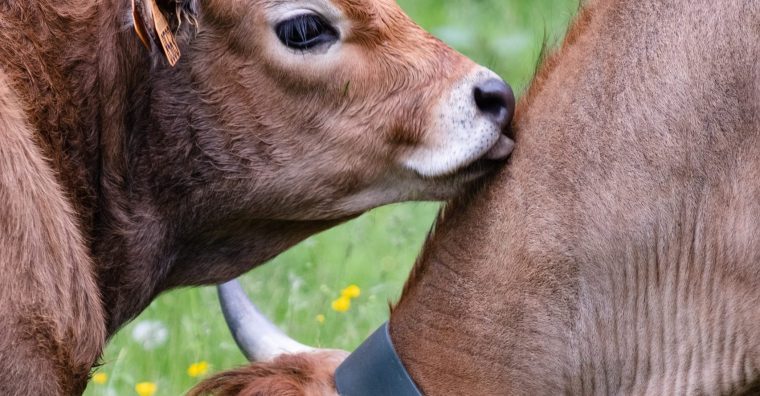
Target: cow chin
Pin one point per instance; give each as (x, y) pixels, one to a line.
(460, 135)
(407, 186)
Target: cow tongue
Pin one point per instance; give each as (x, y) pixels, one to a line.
(501, 149)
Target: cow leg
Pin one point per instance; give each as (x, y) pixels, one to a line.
(51, 320)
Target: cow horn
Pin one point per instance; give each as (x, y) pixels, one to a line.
(258, 338)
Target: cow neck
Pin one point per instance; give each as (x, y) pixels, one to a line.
(156, 228)
(445, 311)
(656, 313)
(573, 275)
(128, 240)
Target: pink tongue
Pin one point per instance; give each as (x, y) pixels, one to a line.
(501, 149)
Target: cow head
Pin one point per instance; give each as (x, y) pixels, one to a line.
(322, 109)
(602, 260)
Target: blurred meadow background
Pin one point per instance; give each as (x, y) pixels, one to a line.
(332, 290)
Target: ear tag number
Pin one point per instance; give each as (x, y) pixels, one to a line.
(165, 35)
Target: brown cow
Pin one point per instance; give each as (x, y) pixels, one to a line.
(123, 177)
(619, 252)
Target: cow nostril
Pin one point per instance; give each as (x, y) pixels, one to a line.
(496, 100)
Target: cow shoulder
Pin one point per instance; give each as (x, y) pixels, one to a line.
(51, 317)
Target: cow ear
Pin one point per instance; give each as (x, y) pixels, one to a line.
(156, 21)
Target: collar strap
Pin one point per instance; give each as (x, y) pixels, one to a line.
(375, 369)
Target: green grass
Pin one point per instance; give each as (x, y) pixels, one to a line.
(374, 252)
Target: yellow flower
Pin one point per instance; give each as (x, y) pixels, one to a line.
(198, 369)
(320, 319)
(146, 388)
(100, 378)
(342, 304)
(351, 291)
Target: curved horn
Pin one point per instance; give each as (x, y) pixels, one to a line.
(257, 336)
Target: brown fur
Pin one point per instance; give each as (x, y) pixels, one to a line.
(288, 375)
(618, 252)
(59, 332)
(122, 177)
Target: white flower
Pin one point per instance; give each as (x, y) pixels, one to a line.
(151, 334)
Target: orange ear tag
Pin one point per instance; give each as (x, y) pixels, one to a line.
(164, 32)
(168, 42)
(139, 28)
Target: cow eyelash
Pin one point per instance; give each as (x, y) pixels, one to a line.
(305, 32)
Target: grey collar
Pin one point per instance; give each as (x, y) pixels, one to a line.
(375, 369)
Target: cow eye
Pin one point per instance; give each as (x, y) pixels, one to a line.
(305, 32)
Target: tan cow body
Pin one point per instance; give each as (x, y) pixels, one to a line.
(619, 252)
(122, 177)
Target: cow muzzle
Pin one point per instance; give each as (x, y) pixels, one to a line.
(467, 125)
